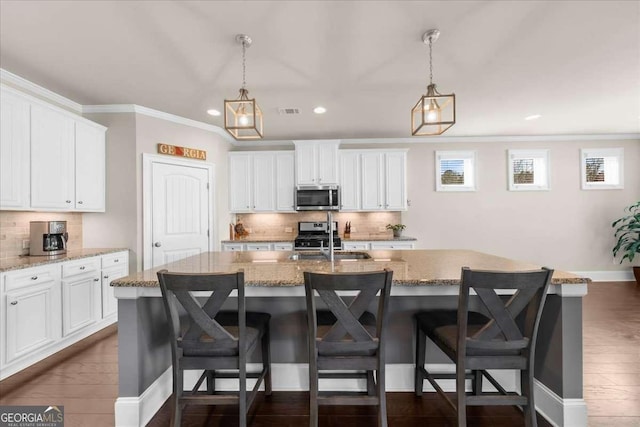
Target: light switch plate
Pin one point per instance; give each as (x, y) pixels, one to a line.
(288, 229)
(25, 244)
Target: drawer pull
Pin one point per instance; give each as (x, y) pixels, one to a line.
(106, 277)
(116, 260)
(34, 277)
(97, 279)
(79, 202)
(68, 201)
(14, 302)
(82, 267)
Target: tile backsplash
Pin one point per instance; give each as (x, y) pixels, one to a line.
(363, 224)
(14, 229)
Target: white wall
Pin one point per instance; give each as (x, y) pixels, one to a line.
(565, 228)
(129, 136)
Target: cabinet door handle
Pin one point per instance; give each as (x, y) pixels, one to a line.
(106, 277)
(157, 244)
(82, 267)
(34, 277)
(68, 201)
(116, 260)
(79, 202)
(97, 279)
(14, 302)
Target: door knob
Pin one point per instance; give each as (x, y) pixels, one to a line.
(157, 244)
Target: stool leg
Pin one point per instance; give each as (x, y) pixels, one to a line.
(476, 382)
(526, 385)
(461, 394)
(178, 388)
(266, 360)
(421, 346)
(382, 397)
(371, 384)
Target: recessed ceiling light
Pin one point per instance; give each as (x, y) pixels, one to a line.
(319, 110)
(213, 112)
(533, 117)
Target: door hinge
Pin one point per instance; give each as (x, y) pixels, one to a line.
(207, 185)
(207, 233)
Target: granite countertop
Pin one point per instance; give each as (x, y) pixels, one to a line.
(410, 268)
(353, 238)
(17, 263)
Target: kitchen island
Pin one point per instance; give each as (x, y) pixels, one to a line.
(274, 283)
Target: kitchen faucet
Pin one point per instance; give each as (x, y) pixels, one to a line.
(329, 252)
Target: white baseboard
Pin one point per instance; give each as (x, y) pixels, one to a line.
(138, 410)
(607, 275)
(559, 412)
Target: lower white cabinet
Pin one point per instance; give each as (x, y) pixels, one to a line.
(47, 308)
(32, 306)
(257, 246)
(81, 294)
(113, 267)
(378, 245)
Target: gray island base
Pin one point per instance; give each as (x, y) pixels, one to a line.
(422, 279)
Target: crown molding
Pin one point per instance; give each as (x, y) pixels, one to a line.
(37, 90)
(138, 109)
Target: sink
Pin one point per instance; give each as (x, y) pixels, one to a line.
(319, 256)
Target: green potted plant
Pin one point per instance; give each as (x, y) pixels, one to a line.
(628, 235)
(396, 228)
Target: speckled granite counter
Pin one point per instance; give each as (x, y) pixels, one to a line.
(353, 238)
(410, 268)
(17, 263)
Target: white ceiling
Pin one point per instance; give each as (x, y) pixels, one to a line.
(577, 63)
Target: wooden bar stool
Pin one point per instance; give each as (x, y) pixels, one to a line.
(502, 336)
(210, 340)
(347, 338)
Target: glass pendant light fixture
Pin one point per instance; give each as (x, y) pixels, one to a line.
(242, 116)
(434, 113)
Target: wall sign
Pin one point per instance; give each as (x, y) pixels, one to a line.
(174, 150)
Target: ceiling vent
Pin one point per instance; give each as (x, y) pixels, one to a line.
(288, 111)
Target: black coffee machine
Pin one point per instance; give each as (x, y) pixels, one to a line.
(48, 238)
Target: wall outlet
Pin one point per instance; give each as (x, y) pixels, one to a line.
(353, 229)
(25, 244)
(288, 229)
(383, 229)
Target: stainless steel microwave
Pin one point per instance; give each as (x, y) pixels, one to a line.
(317, 198)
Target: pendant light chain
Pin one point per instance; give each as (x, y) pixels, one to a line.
(244, 64)
(430, 62)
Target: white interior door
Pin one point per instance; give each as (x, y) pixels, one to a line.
(180, 212)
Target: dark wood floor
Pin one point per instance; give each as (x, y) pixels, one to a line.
(84, 379)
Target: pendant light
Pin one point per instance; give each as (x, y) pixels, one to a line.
(242, 116)
(434, 113)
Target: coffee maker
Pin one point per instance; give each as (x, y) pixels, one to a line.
(48, 238)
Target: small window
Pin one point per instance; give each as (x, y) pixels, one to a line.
(528, 170)
(602, 168)
(455, 171)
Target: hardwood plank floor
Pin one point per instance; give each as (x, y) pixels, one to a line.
(83, 378)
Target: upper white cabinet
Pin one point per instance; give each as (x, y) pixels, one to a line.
(373, 180)
(317, 162)
(90, 168)
(52, 159)
(14, 152)
(261, 181)
(350, 193)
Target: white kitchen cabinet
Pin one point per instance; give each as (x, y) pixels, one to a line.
(114, 266)
(283, 246)
(32, 307)
(317, 162)
(396, 245)
(356, 246)
(52, 159)
(383, 178)
(240, 182)
(232, 247)
(285, 181)
(258, 247)
(350, 180)
(14, 151)
(264, 182)
(81, 294)
(261, 181)
(90, 168)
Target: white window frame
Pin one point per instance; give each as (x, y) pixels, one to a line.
(541, 169)
(470, 175)
(614, 163)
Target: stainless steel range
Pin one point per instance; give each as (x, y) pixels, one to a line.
(313, 235)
